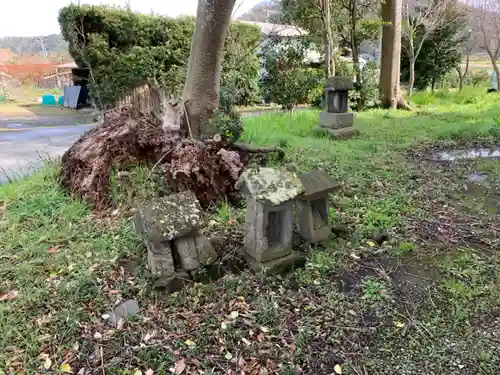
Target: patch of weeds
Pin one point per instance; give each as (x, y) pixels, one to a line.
(135, 184)
(403, 248)
(373, 290)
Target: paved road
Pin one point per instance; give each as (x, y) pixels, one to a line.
(24, 142)
(22, 150)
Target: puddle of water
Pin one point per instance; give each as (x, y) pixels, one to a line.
(467, 154)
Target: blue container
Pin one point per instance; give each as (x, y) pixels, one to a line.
(60, 101)
(48, 99)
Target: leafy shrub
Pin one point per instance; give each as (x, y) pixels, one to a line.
(286, 80)
(126, 50)
(367, 93)
(479, 77)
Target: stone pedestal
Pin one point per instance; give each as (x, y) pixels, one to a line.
(335, 121)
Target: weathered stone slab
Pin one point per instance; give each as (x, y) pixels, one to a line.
(186, 253)
(336, 120)
(206, 252)
(164, 219)
(160, 260)
(313, 221)
(273, 186)
(339, 83)
(317, 182)
(269, 230)
(344, 133)
(279, 265)
(124, 310)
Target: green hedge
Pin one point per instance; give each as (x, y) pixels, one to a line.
(126, 49)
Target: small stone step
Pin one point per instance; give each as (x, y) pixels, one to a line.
(344, 133)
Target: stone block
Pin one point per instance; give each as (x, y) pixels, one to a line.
(160, 260)
(164, 219)
(173, 283)
(337, 101)
(312, 217)
(339, 83)
(344, 133)
(336, 120)
(206, 252)
(277, 266)
(269, 230)
(186, 253)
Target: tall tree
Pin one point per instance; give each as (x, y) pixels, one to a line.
(419, 22)
(202, 87)
(358, 22)
(390, 64)
(317, 17)
(488, 37)
(438, 55)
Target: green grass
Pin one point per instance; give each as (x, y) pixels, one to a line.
(427, 298)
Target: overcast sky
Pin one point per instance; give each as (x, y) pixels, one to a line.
(38, 17)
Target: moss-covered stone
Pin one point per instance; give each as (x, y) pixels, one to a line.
(274, 186)
(171, 217)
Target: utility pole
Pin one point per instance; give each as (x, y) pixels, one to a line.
(44, 51)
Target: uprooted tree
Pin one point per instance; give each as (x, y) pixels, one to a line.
(174, 141)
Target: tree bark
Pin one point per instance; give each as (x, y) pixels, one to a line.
(411, 81)
(327, 38)
(354, 41)
(202, 87)
(390, 92)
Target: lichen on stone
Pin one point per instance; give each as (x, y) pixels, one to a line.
(270, 185)
(171, 217)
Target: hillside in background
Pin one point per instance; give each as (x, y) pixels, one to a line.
(34, 45)
(265, 11)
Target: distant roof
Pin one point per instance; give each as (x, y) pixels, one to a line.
(69, 65)
(274, 29)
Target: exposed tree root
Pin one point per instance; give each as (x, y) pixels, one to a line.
(128, 136)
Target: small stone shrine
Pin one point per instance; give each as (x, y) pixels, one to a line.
(270, 197)
(313, 207)
(170, 228)
(335, 120)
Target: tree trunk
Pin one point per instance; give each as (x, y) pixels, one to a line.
(354, 42)
(411, 81)
(460, 79)
(497, 71)
(327, 38)
(202, 86)
(390, 93)
(328, 53)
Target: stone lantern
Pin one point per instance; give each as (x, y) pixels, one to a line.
(313, 206)
(270, 197)
(335, 120)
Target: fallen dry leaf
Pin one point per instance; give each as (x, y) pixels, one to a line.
(180, 366)
(190, 343)
(13, 294)
(65, 368)
(149, 372)
(399, 324)
(47, 364)
(338, 369)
